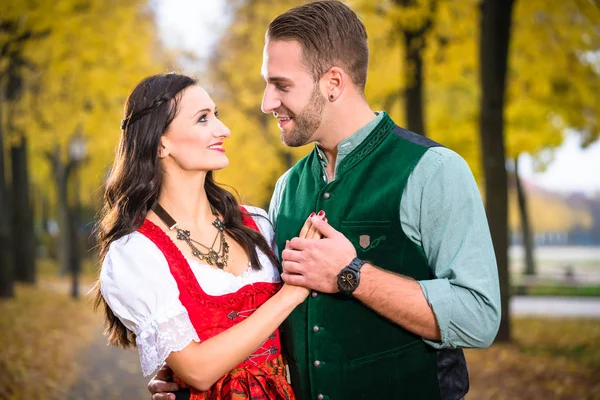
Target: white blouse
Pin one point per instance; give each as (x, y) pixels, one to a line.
(137, 284)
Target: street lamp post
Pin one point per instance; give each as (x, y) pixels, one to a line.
(77, 154)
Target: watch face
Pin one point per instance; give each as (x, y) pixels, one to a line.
(348, 281)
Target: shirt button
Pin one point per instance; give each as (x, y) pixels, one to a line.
(316, 328)
(326, 195)
(316, 363)
(314, 294)
(320, 396)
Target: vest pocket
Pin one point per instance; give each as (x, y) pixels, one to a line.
(405, 372)
(366, 224)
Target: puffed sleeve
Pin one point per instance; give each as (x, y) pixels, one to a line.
(138, 287)
(264, 224)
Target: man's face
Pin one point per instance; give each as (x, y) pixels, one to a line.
(291, 94)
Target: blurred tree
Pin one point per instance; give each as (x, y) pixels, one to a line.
(14, 211)
(546, 97)
(526, 234)
(94, 54)
(14, 64)
(496, 16)
(440, 64)
(410, 22)
(23, 237)
(415, 37)
(6, 263)
(551, 86)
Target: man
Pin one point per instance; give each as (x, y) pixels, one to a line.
(405, 274)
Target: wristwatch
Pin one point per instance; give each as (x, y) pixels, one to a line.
(349, 277)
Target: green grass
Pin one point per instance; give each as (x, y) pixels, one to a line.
(556, 290)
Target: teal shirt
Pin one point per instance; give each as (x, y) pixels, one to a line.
(441, 211)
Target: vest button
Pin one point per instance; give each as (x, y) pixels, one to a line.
(326, 195)
(320, 397)
(316, 328)
(314, 294)
(317, 363)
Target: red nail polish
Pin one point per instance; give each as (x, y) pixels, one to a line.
(321, 213)
(325, 219)
(311, 215)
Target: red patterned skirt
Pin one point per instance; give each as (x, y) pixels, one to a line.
(262, 381)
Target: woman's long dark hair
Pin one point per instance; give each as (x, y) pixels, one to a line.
(135, 179)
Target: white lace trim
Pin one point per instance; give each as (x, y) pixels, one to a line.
(157, 341)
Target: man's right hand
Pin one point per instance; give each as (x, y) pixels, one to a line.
(161, 384)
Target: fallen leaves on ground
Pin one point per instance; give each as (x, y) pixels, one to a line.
(41, 332)
(548, 359)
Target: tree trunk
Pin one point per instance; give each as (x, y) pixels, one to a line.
(44, 212)
(75, 219)
(525, 226)
(60, 172)
(68, 217)
(6, 263)
(495, 26)
(414, 45)
(23, 232)
(74, 256)
(413, 93)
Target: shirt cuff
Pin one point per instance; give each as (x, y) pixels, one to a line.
(438, 293)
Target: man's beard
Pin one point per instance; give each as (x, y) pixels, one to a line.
(307, 122)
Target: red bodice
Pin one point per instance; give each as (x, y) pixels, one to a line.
(211, 315)
(262, 375)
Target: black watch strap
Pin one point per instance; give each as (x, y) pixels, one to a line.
(356, 264)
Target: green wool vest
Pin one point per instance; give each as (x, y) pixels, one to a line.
(337, 347)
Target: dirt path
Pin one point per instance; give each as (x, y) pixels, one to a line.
(108, 373)
(104, 372)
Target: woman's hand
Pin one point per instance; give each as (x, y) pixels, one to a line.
(308, 231)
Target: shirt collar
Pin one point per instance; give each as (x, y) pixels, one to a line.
(346, 146)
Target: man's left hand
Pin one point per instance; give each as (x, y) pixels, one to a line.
(315, 264)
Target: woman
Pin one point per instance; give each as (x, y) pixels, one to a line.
(187, 275)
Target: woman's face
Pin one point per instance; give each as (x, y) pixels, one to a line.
(194, 140)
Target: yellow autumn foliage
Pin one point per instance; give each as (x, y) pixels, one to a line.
(94, 52)
(98, 49)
